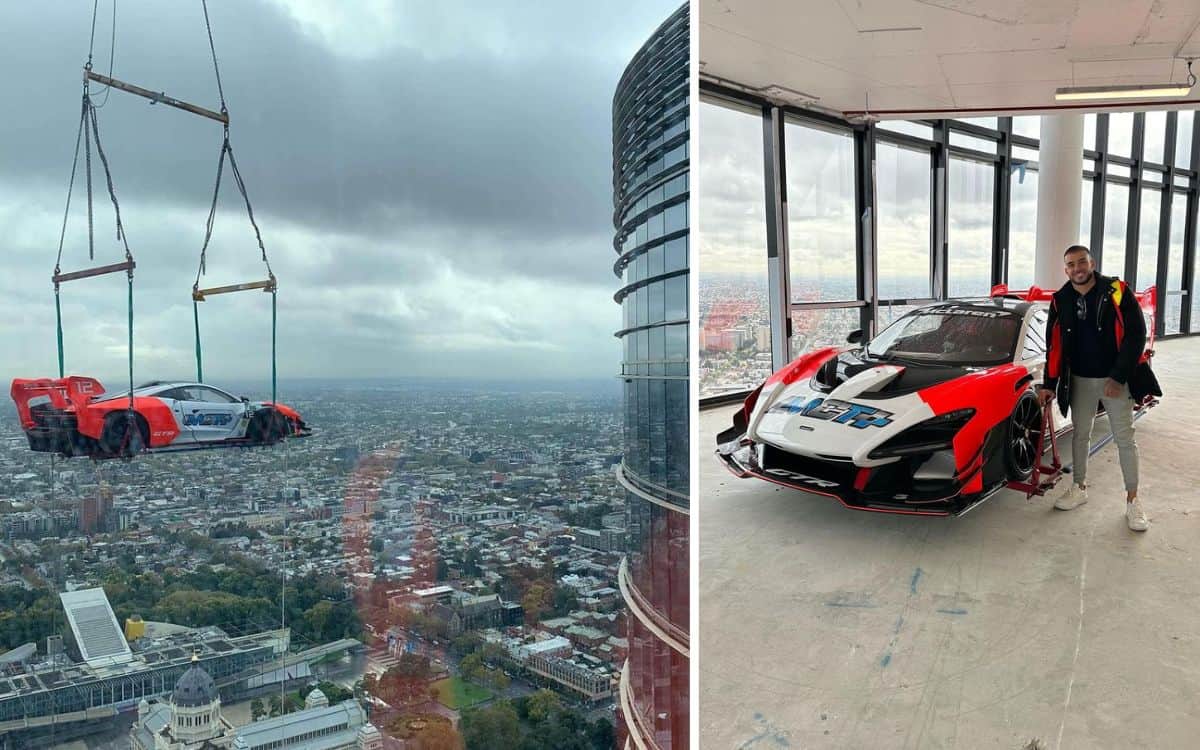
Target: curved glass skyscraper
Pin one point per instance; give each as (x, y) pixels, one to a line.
(650, 198)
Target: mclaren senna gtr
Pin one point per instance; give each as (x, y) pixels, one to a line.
(74, 416)
(931, 417)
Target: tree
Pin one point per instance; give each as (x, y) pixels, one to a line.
(257, 711)
(492, 728)
(289, 705)
(602, 735)
(471, 667)
(498, 680)
(437, 736)
(334, 692)
(405, 683)
(565, 600)
(536, 601)
(542, 705)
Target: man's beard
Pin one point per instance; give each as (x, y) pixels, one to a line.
(1085, 281)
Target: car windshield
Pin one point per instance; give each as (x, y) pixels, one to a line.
(953, 334)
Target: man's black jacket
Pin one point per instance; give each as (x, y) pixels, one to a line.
(1119, 318)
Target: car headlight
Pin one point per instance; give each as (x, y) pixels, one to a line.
(934, 434)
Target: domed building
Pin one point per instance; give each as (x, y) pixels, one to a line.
(190, 720)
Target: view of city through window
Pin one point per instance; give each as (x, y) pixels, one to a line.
(388, 494)
(822, 232)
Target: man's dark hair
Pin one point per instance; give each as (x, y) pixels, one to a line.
(1077, 248)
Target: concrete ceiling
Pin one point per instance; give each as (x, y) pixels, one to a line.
(906, 58)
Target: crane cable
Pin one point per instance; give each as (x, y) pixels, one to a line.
(89, 130)
(227, 152)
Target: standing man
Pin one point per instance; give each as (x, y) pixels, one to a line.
(1095, 336)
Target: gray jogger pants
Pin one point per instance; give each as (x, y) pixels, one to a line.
(1086, 395)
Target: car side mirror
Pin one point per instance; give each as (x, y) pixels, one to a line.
(245, 399)
(855, 337)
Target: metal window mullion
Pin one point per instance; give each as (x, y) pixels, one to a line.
(906, 140)
(1164, 224)
(894, 301)
(1189, 235)
(776, 217)
(1099, 189)
(1134, 209)
(982, 132)
(1001, 198)
(939, 209)
(865, 226)
(840, 305)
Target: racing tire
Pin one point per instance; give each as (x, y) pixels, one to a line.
(1021, 436)
(122, 439)
(267, 427)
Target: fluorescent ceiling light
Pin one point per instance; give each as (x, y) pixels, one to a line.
(1086, 93)
(1154, 90)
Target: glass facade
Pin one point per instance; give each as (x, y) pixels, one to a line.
(651, 198)
(828, 226)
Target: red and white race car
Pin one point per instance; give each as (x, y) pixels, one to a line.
(930, 417)
(74, 416)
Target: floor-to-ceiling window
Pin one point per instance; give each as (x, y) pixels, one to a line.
(735, 320)
(1172, 297)
(1022, 223)
(903, 197)
(969, 209)
(822, 253)
(881, 217)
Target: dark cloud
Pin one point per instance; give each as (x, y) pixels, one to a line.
(419, 171)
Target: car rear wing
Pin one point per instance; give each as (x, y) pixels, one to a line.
(73, 391)
(1147, 300)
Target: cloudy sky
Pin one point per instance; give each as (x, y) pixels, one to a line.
(433, 183)
(821, 219)
(820, 164)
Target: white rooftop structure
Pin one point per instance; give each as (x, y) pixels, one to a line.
(434, 591)
(555, 645)
(311, 729)
(95, 627)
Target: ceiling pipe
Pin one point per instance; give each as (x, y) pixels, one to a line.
(935, 114)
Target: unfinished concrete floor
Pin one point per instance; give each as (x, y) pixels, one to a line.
(822, 627)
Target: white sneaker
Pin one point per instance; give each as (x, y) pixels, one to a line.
(1072, 498)
(1135, 516)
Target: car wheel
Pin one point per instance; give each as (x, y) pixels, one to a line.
(1024, 428)
(123, 436)
(267, 426)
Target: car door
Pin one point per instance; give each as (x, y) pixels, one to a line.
(175, 399)
(209, 413)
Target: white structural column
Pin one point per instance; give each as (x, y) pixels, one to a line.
(1060, 171)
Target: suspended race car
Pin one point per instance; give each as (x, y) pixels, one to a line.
(931, 417)
(73, 416)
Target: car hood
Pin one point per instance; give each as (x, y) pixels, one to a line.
(913, 376)
(846, 409)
